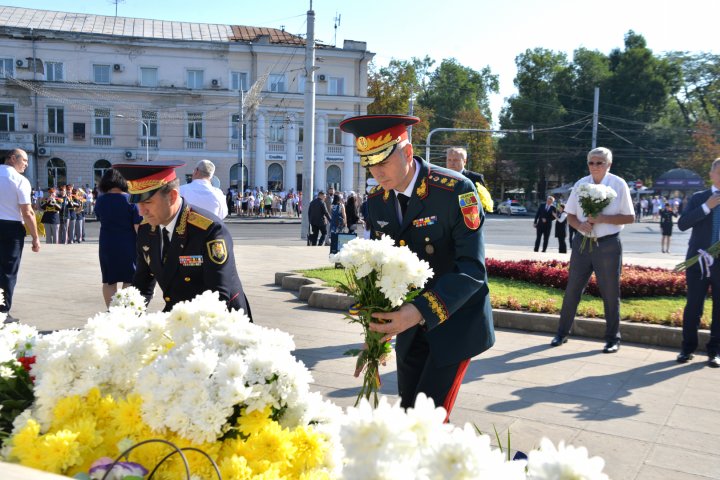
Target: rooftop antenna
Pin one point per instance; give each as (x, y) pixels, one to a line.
(116, 2)
(337, 24)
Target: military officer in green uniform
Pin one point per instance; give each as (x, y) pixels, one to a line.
(436, 213)
(184, 249)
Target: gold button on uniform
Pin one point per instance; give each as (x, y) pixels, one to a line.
(167, 299)
(187, 279)
(402, 243)
(429, 249)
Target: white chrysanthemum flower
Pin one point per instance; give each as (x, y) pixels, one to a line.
(128, 298)
(563, 463)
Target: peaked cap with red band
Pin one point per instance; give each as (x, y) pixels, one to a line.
(377, 136)
(144, 179)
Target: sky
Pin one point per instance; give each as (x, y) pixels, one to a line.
(477, 33)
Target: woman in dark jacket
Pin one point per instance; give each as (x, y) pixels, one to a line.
(666, 226)
(561, 228)
(352, 212)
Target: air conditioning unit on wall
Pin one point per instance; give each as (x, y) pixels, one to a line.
(322, 78)
(215, 83)
(20, 63)
(42, 152)
(118, 67)
(129, 154)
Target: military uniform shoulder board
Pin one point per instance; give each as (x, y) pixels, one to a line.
(441, 180)
(199, 221)
(375, 191)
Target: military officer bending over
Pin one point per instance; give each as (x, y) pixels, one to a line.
(184, 249)
(435, 212)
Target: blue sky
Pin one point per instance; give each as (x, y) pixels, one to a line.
(476, 32)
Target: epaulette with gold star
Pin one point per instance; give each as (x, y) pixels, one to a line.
(441, 180)
(199, 221)
(375, 191)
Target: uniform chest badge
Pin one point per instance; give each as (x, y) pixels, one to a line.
(191, 260)
(217, 251)
(424, 222)
(382, 223)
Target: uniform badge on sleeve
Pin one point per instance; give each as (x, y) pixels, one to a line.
(469, 208)
(217, 251)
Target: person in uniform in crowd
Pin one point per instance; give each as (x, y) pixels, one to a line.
(435, 212)
(543, 223)
(16, 214)
(64, 214)
(603, 256)
(182, 248)
(200, 192)
(702, 214)
(456, 159)
(561, 228)
(119, 221)
(71, 208)
(50, 219)
(318, 217)
(79, 231)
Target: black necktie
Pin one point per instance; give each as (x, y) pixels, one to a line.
(165, 245)
(403, 200)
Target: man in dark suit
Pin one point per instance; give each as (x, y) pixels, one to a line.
(184, 249)
(702, 214)
(435, 212)
(318, 216)
(543, 222)
(456, 159)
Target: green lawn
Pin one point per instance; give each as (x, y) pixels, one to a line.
(516, 295)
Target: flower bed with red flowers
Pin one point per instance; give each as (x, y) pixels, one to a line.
(634, 281)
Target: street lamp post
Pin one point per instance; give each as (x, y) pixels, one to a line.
(147, 134)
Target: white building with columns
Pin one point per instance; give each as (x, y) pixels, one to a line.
(81, 92)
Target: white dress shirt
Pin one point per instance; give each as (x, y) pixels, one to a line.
(200, 193)
(620, 205)
(14, 191)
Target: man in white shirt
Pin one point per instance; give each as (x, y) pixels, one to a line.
(202, 194)
(604, 254)
(15, 209)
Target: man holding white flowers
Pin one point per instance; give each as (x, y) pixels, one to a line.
(435, 213)
(597, 248)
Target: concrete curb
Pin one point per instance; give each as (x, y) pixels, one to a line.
(318, 296)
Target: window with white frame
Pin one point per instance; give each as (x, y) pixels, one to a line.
(7, 67)
(150, 127)
(277, 132)
(148, 77)
(7, 118)
(195, 125)
(239, 80)
(101, 73)
(56, 120)
(195, 78)
(334, 133)
(235, 120)
(277, 83)
(102, 121)
(336, 86)
(54, 71)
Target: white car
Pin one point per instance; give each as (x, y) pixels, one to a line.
(514, 208)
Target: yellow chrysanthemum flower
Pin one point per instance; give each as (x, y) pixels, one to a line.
(235, 468)
(24, 443)
(485, 198)
(66, 410)
(309, 450)
(254, 422)
(61, 450)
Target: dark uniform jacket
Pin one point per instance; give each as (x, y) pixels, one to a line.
(442, 225)
(200, 258)
(318, 212)
(701, 223)
(474, 177)
(547, 214)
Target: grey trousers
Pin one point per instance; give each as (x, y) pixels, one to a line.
(606, 261)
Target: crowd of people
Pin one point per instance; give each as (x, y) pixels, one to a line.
(260, 203)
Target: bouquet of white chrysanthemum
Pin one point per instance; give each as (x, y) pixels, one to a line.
(129, 298)
(16, 360)
(593, 198)
(381, 277)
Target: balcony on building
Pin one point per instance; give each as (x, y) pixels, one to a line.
(102, 140)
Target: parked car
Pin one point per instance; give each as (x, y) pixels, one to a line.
(514, 208)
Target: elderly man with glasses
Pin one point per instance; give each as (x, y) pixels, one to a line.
(605, 256)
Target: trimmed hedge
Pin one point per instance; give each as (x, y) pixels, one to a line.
(635, 281)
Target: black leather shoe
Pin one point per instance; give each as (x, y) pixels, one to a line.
(558, 340)
(612, 347)
(11, 319)
(714, 361)
(684, 357)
